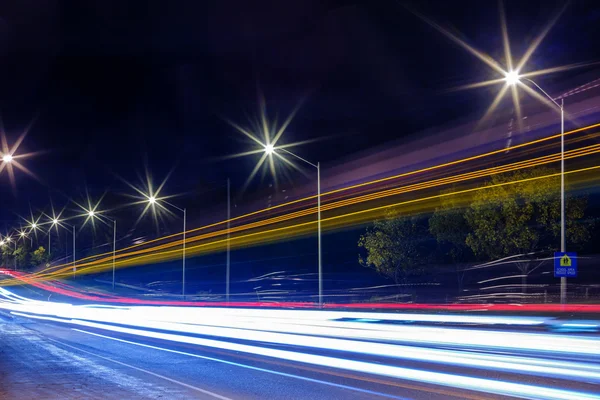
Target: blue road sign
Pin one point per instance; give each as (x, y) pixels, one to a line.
(565, 265)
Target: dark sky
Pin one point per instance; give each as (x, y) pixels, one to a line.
(113, 83)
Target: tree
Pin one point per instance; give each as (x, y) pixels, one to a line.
(395, 246)
(522, 218)
(7, 256)
(21, 255)
(38, 257)
(450, 228)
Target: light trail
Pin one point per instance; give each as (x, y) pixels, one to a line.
(585, 151)
(355, 342)
(269, 371)
(348, 188)
(65, 290)
(301, 228)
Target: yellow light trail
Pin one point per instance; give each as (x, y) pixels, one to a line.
(356, 200)
(592, 149)
(328, 223)
(312, 197)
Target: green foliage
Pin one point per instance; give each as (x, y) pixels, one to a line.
(394, 247)
(7, 255)
(450, 228)
(38, 257)
(21, 255)
(522, 218)
(500, 221)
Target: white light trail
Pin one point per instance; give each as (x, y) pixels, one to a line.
(309, 331)
(463, 382)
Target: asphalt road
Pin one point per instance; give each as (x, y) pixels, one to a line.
(49, 351)
(46, 360)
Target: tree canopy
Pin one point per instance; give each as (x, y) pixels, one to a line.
(395, 246)
(522, 218)
(504, 219)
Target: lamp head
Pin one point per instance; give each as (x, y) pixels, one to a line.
(151, 199)
(269, 149)
(91, 213)
(55, 221)
(7, 158)
(512, 77)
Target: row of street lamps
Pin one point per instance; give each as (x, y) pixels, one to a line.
(92, 213)
(151, 200)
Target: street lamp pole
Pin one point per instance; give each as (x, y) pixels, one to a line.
(74, 267)
(95, 214)
(56, 222)
(228, 271)
(320, 258)
(8, 240)
(114, 250)
(183, 253)
(153, 200)
(563, 241)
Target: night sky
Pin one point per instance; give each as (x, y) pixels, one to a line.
(110, 85)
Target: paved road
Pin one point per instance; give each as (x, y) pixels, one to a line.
(40, 360)
(56, 351)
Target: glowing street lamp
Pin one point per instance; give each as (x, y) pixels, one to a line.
(512, 78)
(272, 132)
(152, 201)
(7, 240)
(23, 235)
(56, 223)
(7, 158)
(270, 149)
(92, 213)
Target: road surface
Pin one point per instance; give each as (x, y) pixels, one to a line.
(53, 350)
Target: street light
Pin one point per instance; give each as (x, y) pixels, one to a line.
(56, 223)
(152, 200)
(7, 158)
(513, 78)
(270, 149)
(95, 214)
(33, 227)
(7, 240)
(23, 235)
